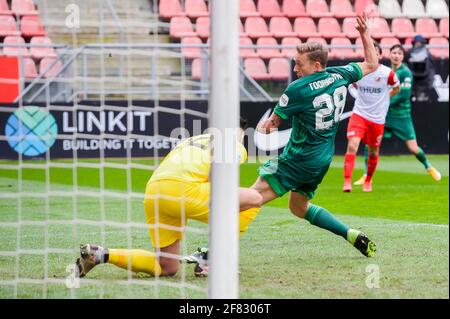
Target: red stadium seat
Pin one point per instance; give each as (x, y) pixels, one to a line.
(8, 26)
(267, 53)
(317, 8)
(4, 8)
(443, 27)
(241, 29)
(291, 41)
(170, 9)
(202, 27)
(256, 69)
(256, 27)
(195, 8)
(49, 68)
(247, 8)
(23, 7)
(29, 69)
(181, 27)
(329, 28)
(196, 69)
(427, 28)
(379, 28)
(269, 8)
(43, 48)
(305, 28)
(367, 6)
(294, 9)
(402, 28)
(349, 29)
(191, 53)
(342, 53)
(341, 8)
(279, 69)
(31, 26)
(15, 46)
(386, 44)
(441, 53)
(280, 27)
(247, 52)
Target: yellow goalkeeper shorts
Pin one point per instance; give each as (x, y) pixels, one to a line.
(169, 203)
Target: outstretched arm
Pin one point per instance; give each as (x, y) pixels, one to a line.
(370, 63)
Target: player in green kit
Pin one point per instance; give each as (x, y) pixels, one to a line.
(314, 104)
(398, 119)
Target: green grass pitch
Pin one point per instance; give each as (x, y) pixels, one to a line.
(281, 256)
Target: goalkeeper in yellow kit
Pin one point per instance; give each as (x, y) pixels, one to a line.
(178, 190)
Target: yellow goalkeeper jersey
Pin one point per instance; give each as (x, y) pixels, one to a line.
(190, 161)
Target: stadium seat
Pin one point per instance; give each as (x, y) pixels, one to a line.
(269, 8)
(280, 27)
(441, 53)
(413, 9)
(256, 69)
(247, 9)
(443, 27)
(427, 28)
(15, 46)
(267, 53)
(436, 9)
(279, 69)
(367, 6)
(290, 41)
(294, 9)
(196, 69)
(256, 27)
(49, 68)
(305, 28)
(348, 28)
(317, 8)
(23, 7)
(191, 53)
(29, 69)
(247, 52)
(329, 28)
(341, 53)
(389, 9)
(202, 27)
(195, 8)
(403, 28)
(31, 26)
(181, 27)
(170, 9)
(43, 48)
(359, 50)
(241, 29)
(386, 44)
(8, 26)
(4, 8)
(379, 28)
(341, 8)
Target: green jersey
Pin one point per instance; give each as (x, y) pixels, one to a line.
(400, 104)
(314, 104)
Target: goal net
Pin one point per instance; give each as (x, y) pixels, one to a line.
(111, 96)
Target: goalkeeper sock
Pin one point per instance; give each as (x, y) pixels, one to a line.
(322, 218)
(423, 158)
(137, 260)
(245, 218)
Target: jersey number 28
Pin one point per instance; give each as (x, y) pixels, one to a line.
(332, 104)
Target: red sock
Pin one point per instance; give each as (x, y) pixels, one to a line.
(371, 166)
(349, 164)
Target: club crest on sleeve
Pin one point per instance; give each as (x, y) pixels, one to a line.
(284, 100)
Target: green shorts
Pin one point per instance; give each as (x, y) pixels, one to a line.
(284, 175)
(402, 127)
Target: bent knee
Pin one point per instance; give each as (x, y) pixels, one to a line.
(257, 199)
(299, 211)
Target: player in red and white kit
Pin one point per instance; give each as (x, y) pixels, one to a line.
(367, 121)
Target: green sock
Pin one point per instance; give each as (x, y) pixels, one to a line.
(322, 218)
(423, 158)
(366, 158)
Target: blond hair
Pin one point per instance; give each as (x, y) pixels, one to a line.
(315, 52)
